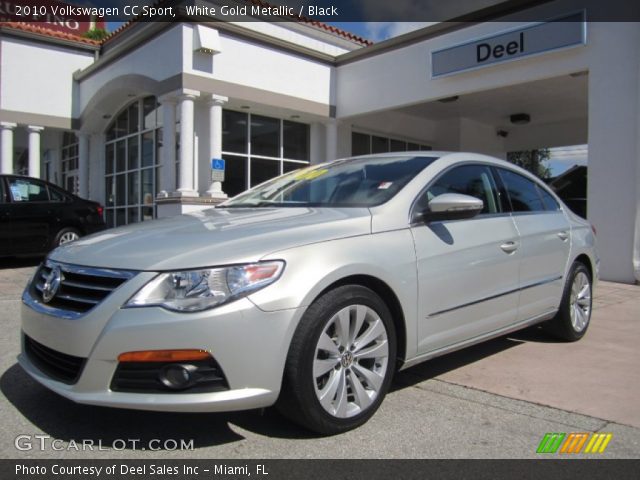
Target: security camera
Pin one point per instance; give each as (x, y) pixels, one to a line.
(502, 133)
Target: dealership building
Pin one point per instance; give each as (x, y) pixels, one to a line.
(134, 121)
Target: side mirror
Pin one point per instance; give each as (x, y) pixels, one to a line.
(452, 206)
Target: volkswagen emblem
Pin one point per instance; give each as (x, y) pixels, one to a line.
(51, 284)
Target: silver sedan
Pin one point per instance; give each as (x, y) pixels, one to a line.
(310, 290)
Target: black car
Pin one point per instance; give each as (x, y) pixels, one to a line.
(36, 216)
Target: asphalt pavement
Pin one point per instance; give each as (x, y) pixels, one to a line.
(495, 400)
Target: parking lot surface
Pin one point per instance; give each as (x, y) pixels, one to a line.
(494, 400)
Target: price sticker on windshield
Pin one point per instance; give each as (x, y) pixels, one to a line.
(311, 174)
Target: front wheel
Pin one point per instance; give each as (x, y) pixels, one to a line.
(573, 317)
(341, 361)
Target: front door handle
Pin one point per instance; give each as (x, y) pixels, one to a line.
(563, 235)
(509, 247)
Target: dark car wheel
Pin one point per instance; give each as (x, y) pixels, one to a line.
(341, 361)
(66, 235)
(573, 317)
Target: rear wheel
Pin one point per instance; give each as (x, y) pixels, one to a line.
(573, 317)
(66, 235)
(340, 362)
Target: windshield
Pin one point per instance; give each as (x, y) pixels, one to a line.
(359, 182)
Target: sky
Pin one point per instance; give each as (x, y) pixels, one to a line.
(375, 31)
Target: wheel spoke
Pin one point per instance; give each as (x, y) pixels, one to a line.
(373, 379)
(374, 331)
(584, 302)
(328, 393)
(342, 327)
(322, 366)
(362, 398)
(327, 344)
(377, 350)
(341, 395)
(361, 313)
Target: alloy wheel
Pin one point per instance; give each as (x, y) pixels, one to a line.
(67, 237)
(350, 361)
(580, 304)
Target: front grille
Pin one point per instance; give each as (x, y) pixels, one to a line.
(57, 365)
(145, 377)
(80, 288)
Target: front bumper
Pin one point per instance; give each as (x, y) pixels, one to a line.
(250, 346)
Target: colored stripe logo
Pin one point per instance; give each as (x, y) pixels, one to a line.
(581, 442)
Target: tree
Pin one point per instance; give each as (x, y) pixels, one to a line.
(533, 161)
(96, 34)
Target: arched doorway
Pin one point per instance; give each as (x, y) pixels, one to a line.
(132, 162)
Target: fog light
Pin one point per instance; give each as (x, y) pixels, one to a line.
(178, 376)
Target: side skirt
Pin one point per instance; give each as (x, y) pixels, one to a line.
(479, 339)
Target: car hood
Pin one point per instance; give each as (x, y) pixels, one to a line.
(213, 237)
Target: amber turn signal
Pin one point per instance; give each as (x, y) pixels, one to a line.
(164, 356)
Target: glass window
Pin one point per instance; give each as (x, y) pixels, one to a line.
(550, 203)
(147, 149)
(474, 180)
(235, 175)
(109, 158)
(348, 183)
(360, 144)
(412, 147)
(379, 144)
(150, 111)
(291, 166)
(134, 118)
(295, 139)
(132, 154)
(131, 163)
(56, 195)
(121, 159)
(265, 136)
(522, 192)
(234, 131)
(397, 146)
(22, 190)
(262, 170)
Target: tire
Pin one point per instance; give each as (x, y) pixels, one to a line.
(574, 316)
(328, 388)
(66, 235)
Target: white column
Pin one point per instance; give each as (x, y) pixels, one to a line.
(613, 193)
(83, 164)
(332, 140)
(6, 137)
(168, 160)
(187, 159)
(215, 140)
(34, 150)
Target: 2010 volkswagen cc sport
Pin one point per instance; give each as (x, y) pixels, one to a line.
(309, 290)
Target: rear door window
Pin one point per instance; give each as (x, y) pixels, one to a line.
(524, 193)
(26, 190)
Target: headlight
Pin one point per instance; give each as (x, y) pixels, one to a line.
(196, 290)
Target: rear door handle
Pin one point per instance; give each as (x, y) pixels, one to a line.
(509, 247)
(563, 236)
